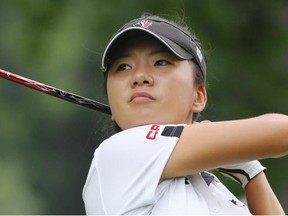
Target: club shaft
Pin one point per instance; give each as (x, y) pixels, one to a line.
(70, 97)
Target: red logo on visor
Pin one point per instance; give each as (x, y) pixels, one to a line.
(143, 24)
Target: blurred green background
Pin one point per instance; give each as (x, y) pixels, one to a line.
(46, 144)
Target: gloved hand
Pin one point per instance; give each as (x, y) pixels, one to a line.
(244, 172)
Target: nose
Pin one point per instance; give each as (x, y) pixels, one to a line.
(141, 78)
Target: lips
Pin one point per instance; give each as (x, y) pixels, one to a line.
(141, 97)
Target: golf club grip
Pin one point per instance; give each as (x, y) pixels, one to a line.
(73, 98)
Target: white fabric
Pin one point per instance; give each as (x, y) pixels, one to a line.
(124, 179)
(243, 172)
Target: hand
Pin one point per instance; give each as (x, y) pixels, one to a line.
(244, 172)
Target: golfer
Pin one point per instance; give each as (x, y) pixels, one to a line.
(158, 161)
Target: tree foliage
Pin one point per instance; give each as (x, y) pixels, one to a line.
(46, 145)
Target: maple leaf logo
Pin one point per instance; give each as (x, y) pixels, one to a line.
(143, 24)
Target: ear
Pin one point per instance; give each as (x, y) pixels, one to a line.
(200, 98)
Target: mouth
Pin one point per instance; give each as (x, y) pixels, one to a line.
(141, 97)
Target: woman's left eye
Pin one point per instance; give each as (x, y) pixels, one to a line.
(161, 62)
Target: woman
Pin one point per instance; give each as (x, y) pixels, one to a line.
(155, 74)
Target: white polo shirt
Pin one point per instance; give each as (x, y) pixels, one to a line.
(125, 172)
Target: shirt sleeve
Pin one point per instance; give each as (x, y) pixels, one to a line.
(129, 166)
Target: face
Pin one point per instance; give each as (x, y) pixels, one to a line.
(147, 84)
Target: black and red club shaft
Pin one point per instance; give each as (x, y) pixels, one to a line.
(64, 95)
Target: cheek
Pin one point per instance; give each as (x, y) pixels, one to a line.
(183, 86)
(184, 96)
(112, 89)
(183, 92)
(115, 93)
(112, 98)
(109, 90)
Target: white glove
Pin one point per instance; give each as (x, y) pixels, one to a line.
(244, 172)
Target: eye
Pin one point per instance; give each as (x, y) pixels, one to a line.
(162, 62)
(123, 67)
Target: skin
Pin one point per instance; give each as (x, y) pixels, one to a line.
(258, 188)
(150, 69)
(146, 84)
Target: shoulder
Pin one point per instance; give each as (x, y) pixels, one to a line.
(148, 132)
(147, 139)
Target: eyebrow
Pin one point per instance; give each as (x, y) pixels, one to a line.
(159, 51)
(120, 55)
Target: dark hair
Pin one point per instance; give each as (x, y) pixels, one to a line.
(198, 75)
